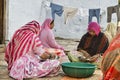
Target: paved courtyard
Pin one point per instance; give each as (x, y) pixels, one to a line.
(69, 45)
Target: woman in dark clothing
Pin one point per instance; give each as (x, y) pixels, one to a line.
(93, 43)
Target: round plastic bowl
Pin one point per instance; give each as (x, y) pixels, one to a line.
(78, 69)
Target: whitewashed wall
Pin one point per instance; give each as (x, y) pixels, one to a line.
(23, 11)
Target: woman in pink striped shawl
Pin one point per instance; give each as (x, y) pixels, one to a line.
(26, 56)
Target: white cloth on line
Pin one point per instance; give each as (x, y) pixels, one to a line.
(69, 13)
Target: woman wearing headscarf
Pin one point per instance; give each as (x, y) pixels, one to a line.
(93, 43)
(110, 31)
(47, 37)
(48, 40)
(26, 56)
(111, 59)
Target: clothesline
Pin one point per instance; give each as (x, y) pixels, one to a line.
(70, 12)
(89, 4)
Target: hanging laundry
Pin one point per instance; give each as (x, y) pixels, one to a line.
(119, 3)
(113, 9)
(69, 13)
(102, 14)
(118, 24)
(94, 12)
(45, 7)
(46, 3)
(82, 12)
(102, 11)
(56, 9)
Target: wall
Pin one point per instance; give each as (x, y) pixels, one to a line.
(23, 11)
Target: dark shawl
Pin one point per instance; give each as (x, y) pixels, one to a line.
(93, 45)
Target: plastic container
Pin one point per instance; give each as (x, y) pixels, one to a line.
(78, 69)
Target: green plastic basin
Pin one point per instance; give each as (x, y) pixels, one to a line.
(78, 69)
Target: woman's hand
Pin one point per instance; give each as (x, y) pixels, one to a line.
(45, 56)
(48, 56)
(85, 53)
(94, 58)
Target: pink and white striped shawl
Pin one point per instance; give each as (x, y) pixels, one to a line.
(23, 41)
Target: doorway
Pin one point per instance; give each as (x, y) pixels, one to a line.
(2, 21)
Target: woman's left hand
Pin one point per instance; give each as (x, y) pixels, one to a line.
(94, 58)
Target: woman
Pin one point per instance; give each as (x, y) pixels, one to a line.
(26, 57)
(47, 37)
(93, 43)
(110, 31)
(111, 59)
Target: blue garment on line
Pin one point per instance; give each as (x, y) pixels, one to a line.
(56, 9)
(94, 12)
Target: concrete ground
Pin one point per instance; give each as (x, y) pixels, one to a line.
(69, 45)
